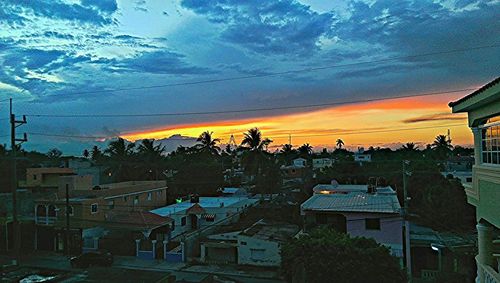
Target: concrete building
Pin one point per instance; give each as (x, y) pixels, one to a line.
(44, 178)
(299, 162)
(483, 109)
(93, 211)
(320, 163)
(359, 210)
(233, 192)
(361, 156)
(258, 245)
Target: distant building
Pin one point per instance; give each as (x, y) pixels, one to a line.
(300, 162)
(233, 192)
(483, 109)
(44, 178)
(320, 163)
(361, 156)
(258, 245)
(85, 167)
(359, 210)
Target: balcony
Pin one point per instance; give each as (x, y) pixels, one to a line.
(487, 273)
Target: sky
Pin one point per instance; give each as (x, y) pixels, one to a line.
(102, 57)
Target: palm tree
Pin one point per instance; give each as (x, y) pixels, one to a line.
(152, 154)
(208, 143)
(254, 141)
(305, 149)
(86, 153)
(255, 157)
(120, 154)
(442, 142)
(96, 154)
(287, 149)
(409, 146)
(340, 143)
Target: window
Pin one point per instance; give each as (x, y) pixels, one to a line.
(490, 141)
(468, 179)
(111, 204)
(183, 221)
(34, 177)
(150, 196)
(244, 243)
(125, 198)
(159, 193)
(173, 225)
(372, 224)
(136, 200)
(93, 208)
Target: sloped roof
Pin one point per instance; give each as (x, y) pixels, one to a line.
(480, 90)
(142, 220)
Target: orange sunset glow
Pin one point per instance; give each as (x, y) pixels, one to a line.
(380, 123)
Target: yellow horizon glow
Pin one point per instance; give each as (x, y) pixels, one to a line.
(322, 127)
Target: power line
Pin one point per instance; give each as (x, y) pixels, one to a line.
(251, 109)
(494, 45)
(333, 133)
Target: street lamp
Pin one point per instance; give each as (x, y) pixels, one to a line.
(439, 248)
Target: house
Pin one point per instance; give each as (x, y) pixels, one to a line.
(85, 167)
(483, 110)
(257, 245)
(459, 167)
(299, 162)
(359, 210)
(44, 178)
(360, 156)
(93, 211)
(434, 252)
(320, 163)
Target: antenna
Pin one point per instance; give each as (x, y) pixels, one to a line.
(449, 136)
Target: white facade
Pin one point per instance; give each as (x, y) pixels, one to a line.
(319, 163)
(362, 157)
(253, 251)
(300, 162)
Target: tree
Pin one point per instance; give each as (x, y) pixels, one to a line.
(86, 153)
(255, 156)
(340, 143)
(151, 156)
(442, 146)
(254, 141)
(208, 143)
(54, 153)
(325, 254)
(409, 146)
(96, 154)
(120, 154)
(305, 150)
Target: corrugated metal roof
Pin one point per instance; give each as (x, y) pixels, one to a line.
(353, 202)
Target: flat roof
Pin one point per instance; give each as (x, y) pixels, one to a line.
(350, 188)
(204, 202)
(353, 202)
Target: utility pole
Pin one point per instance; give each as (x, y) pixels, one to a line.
(66, 238)
(407, 222)
(13, 144)
(290, 139)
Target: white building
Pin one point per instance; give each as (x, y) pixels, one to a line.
(196, 214)
(361, 156)
(320, 163)
(300, 162)
(258, 245)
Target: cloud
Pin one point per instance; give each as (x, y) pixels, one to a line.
(108, 6)
(435, 117)
(56, 9)
(159, 62)
(267, 27)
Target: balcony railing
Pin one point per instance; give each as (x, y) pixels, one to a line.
(490, 275)
(45, 220)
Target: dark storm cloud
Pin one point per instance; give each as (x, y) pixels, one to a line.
(267, 27)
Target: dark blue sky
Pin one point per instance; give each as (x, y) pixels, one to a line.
(53, 50)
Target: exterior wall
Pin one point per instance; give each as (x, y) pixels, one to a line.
(362, 157)
(74, 182)
(45, 177)
(322, 163)
(252, 251)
